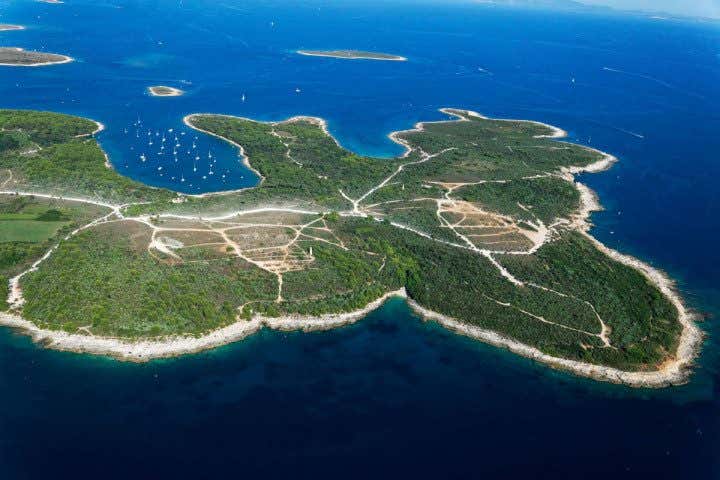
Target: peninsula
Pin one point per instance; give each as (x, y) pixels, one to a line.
(17, 57)
(352, 55)
(480, 225)
(163, 91)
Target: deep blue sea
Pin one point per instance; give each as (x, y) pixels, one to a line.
(389, 396)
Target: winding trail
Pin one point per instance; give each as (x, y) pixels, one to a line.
(449, 204)
(424, 157)
(7, 180)
(674, 371)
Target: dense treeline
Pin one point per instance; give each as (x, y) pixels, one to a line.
(284, 181)
(300, 162)
(312, 148)
(105, 279)
(466, 286)
(9, 141)
(545, 198)
(16, 256)
(338, 281)
(100, 280)
(643, 321)
(50, 151)
(45, 128)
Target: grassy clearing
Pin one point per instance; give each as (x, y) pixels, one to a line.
(33, 231)
(490, 184)
(29, 226)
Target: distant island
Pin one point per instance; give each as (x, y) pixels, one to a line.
(480, 226)
(17, 57)
(163, 91)
(5, 26)
(352, 55)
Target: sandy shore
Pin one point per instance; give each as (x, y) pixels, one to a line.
(4, 27)
(674, 371)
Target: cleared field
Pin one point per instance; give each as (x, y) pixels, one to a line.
(30, 225)
(17, 216)
(479, 221)
(28, 230)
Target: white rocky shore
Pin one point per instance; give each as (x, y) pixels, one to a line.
(148, 349)
(676, 370)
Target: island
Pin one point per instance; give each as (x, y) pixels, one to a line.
(163, 91)
(480, 226)
(5, 26)
(17, 57)
(352, 55)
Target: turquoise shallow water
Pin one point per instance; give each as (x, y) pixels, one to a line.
(390, 394)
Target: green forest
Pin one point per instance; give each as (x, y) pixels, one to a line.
(476, 221)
